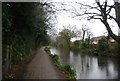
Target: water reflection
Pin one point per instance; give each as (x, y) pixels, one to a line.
(89, 67)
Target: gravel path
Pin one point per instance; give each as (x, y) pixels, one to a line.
(42, 67)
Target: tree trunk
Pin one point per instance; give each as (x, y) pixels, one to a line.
(104, 20)
(83, 36)
(115, 37)
(117, 12)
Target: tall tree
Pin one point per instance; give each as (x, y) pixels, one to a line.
(24, 29)
(64, 38)
(102, 11)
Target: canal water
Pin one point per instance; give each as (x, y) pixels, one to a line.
(89, 67)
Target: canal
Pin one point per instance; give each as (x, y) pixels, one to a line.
(89, 67)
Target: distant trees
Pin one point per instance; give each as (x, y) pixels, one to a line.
(86, 33)
(24, 29)
(76, 45)
(64, 39)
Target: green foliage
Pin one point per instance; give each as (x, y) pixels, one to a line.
(24, 28)
(57, 62)
(92, 51)
(117, 48)
(103, 47)
(63, 41)
(67, 34)
(67, 68)
(103, 44)
(47, 49)
(55, 58)
(76, 45)
(70, 70)
(86, 42)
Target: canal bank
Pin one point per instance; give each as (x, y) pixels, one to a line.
(89, 66)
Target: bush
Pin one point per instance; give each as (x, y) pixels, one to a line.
(70, 71)
(76, 45)
(56, 58)
(93, 51)
(118, 48)
(47, 49)
(67, 68)
(103, 44)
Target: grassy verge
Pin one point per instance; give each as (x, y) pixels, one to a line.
(66, 68)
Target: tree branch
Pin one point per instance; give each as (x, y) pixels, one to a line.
(115, 37)
(111, 17)
(91, 7)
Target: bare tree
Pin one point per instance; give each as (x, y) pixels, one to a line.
(89, 36)
(99, 10)
(102, 11)
(85, 31)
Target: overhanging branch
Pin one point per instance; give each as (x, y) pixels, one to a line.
(111, 17)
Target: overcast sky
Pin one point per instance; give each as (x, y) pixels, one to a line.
(64, 18)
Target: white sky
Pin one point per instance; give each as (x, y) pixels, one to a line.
(64, 19)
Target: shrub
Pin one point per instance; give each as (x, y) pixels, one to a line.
(118, 48)
(76, 45)
(55, 58)
(103, 44)
(93, 51)
(47, 49)
(70, 71)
